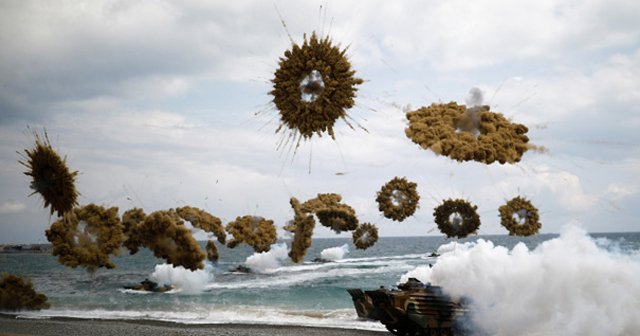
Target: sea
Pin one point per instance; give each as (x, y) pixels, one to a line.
(583, 269)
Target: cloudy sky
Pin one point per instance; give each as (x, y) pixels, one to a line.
(162, 104)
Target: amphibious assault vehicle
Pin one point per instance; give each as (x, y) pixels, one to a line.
(412, 309)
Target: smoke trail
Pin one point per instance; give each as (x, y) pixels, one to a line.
(189, 282)
(565, 286)
(334, 253)
(268, 262)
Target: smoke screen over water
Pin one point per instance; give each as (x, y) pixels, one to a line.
(570, 285)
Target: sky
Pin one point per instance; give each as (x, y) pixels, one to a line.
(161, 104)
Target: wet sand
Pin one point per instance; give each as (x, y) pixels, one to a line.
(10, 325)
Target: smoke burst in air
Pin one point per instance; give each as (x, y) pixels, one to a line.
(474, 98)
(268, 262)
(186, 281)
(565, 286)
(334, 253)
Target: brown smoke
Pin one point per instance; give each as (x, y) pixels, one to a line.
(523, 209)
(203, 220)
(17, 293)
(164, 233)
(303, 225)
(398, 199)
(450, 130)
(131, 219)
(86, 237)
(457, 218)
(212, 251)
(334, 96)
(365, 236)
(50, 176)
(256, 232)
(331, 213)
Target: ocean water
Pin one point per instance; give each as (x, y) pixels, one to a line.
(314, 294)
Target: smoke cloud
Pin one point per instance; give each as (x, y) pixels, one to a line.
(188, 282)
(334, 253)
(566, 286)
(268, 262)
(474, 98)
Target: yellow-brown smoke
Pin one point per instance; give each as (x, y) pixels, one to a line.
(522, 208)
(203, 220)
(457, 218)
(17, 293)
(334, 96)
(257, 232)
(398, 199)
(87, 236)
(365, 236)
(463, 134)
(50, 176)
(164, 233)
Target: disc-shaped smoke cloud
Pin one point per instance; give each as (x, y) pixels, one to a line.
(457, 218)
(520, 217)
(17, 293)
(257, 232)
(87, 236)
(365, 236)
(50, 176)
(313, 87)
(398, 199)
(462, 134)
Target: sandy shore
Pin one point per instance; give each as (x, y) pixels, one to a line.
(10, 325)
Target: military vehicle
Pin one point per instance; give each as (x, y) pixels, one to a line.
(150, 286)
(412, 309)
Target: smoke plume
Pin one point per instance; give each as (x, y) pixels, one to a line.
(565, 286)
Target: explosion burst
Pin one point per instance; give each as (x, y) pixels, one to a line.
(520, 217)
(86, 236)
(313, 87)
(365, 236)
(457, 218)
(257, 232)
(398, 199)
(50, 176)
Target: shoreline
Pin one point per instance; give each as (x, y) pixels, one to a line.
(14, 325)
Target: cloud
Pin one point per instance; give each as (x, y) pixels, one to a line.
(618, 192)
(11, 207)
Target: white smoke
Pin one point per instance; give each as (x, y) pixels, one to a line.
(334, 253)
(268, 262)
(187, 281)
(474, 98)
(565, 286)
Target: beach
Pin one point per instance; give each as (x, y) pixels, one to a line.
(15, 325)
